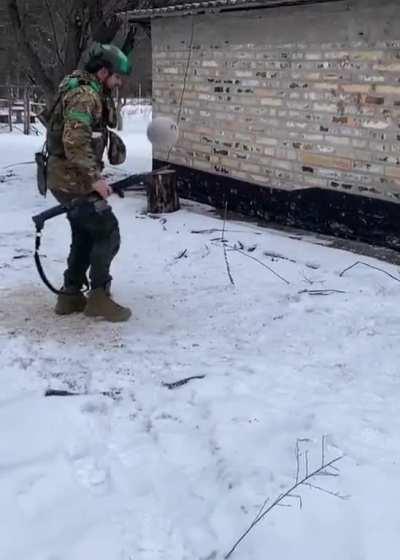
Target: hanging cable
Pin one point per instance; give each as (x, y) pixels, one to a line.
(178, 120)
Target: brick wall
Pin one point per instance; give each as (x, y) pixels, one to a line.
(292, 97)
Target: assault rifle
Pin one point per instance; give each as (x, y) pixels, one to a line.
(132, 183)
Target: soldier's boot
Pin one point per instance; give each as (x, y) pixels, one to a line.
(100, 304)
(69, 302)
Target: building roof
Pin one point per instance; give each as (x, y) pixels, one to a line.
(179, 7)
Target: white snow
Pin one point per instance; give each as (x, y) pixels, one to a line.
(179, 474)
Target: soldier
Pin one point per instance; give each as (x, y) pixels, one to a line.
(77, 135)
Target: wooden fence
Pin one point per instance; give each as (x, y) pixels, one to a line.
(19, 105)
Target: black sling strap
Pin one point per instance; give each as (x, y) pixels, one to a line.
(119, 187)
(39, 221)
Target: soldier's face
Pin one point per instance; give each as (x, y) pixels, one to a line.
(113, 81)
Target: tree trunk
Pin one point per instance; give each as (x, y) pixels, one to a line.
(27, 112)
(162, 196)
(10, 109)
(118, 105)
(77, 21)
(33, 62)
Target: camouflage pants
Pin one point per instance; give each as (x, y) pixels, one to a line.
(95, 242)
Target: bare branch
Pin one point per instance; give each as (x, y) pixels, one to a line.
(107, 30)
(262, 508)
(331, 474)
(289, 493)
(75, 28)
(228, 268)
(298, 454)
(54, 31)
(297, 497)
(129, 42)
(369, 266)
(261, 263)
(31, 57)
(336, 494)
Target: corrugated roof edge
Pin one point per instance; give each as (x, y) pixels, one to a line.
(206, 6)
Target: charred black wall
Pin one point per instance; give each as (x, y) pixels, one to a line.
(340, 214)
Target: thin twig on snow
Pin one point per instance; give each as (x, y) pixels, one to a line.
(259, 262)
(369, 266)
(289, 493)
(228, 268)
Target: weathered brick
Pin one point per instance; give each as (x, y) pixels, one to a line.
(271, 101)
(368, 166)
(393, 67)
(200, 164)
(250, 167)
(324, 86)
(325, 107)
(243, 74)
(355, 88)
(190, 136)
(368, 56)
(375, 124)
(332, 109)
(338, 140)
(374, 100)
(392, 172)
(269, 151)
(231, 162)
(266, 140)
(314, 56)
(169, 70)
(388, 90)
(317, 160)
(260, 179)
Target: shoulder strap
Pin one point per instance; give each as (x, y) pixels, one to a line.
(76, 82)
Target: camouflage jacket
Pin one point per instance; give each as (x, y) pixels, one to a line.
(77, 134)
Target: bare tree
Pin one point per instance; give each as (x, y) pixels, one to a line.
(53, 36)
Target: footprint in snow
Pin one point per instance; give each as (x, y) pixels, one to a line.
(90, 474)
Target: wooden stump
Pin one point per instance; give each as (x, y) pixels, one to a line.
(162, 196)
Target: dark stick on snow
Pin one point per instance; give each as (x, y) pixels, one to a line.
(181, 255)
(176, 384)
(228, 268)
(278, 256)
(63, 393)
(217, 230)
(59, 393)
(261, 263)
(324, 292)
(369, 266)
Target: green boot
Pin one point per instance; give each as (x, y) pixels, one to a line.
(99, 304)
(70, 303)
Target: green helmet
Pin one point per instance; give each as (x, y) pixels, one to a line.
(112, 57)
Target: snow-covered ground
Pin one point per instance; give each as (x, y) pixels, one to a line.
(147, 473)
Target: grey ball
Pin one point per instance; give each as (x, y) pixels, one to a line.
(163, 132)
